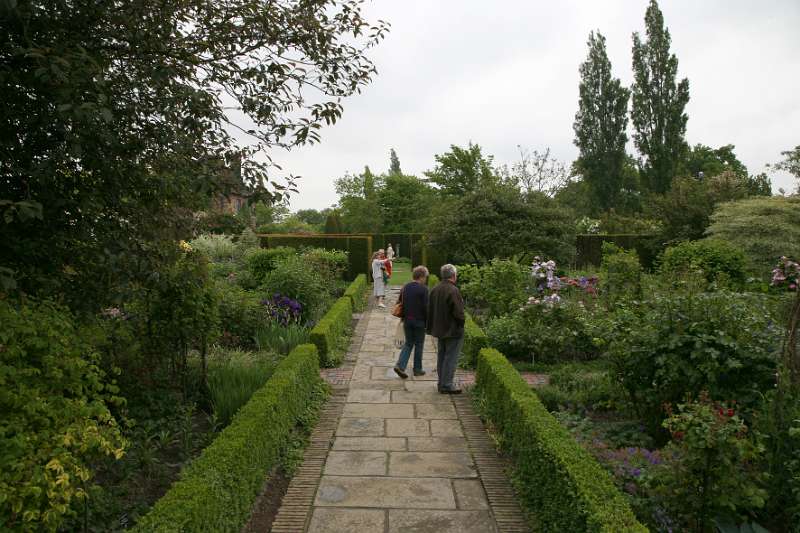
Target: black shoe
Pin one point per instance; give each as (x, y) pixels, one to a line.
(450, 391)
(400, 372)
(419, 372)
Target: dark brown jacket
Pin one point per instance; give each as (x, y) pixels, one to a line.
(445, 311)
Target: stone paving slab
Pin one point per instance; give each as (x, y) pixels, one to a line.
(369, 443)
(441, 522)
(470, 494)
(356, 464)
(444, 428)
(360, 427)
(437, 444)
(385, 492)
(378, 410)
(432, 396)
(436, 464)
(368, 396)
(439, 411)
(407, 427)
(326, 520)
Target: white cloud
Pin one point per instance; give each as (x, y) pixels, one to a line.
(505, 73)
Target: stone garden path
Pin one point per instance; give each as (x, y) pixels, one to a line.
(392, 456)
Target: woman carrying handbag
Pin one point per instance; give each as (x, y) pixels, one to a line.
(412, 308)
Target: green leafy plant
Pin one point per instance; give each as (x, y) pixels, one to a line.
(721, 263)
(673, 345)
(622, 274)
(294, 278)
(261, 261)
(710, 466)
(233, 377)
(216, 247)
(56, 420)
(495, 288)
(280, 338)
(241, 315)
(331, 330)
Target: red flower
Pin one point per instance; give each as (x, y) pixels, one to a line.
(730, 412)
(678, 435)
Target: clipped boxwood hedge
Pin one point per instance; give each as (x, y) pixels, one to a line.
(474, 341)
(217, 490)
(355, 291)
(329, 330)
(561, 484)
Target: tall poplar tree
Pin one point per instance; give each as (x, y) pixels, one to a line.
(600, 125)
(658, 111)
(394, 163)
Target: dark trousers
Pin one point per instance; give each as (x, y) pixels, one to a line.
(415, 338)
(447, 352)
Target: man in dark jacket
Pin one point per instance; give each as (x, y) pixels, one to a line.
(446, 323)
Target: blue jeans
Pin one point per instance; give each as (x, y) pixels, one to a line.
(415, 338)
(447, 353)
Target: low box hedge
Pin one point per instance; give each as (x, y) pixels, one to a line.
(474, 341)
(562, 485)
(330, 329)
(356, 290)
(217, 490)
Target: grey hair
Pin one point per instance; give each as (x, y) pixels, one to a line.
(448, 271)
(419, 272)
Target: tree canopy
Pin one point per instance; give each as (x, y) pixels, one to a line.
(659, 103)
(600, 125)
(462, 170)
(117, 118)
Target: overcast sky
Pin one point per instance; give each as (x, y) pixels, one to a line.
(505, 73)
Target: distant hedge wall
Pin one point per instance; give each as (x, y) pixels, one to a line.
(589, 248)
(217, 490)
(358, 248)
(560, 483)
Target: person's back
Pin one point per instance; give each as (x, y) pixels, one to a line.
(445, 311)
(415, 301)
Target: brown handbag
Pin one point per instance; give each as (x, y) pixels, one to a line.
(397, 310)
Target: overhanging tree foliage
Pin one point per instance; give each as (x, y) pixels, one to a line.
(658, 111)
(600, 125)
(117, 118)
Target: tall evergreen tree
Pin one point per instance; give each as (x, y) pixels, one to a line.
(394, 163)
(600, 125)
(658, 112)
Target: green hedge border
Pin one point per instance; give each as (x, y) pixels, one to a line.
(217, 490)
(560, 483)
(330, 329)
(358, 247)
(474, 341)
(356, 291)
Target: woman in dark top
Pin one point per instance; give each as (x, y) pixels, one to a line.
(414, 296)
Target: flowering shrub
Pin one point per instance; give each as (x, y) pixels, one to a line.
(709, 471)
(294, 278)
(282, 309)
(671, 345)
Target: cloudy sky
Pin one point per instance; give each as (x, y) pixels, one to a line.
(505, 73)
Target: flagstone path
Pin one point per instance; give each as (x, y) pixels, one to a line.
(392, 456)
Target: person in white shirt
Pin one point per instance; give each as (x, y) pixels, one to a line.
(378, 266)
(389, 252)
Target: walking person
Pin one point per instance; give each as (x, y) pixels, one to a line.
(446, 323)
(389, 252)
(414, 298)
(378, 272)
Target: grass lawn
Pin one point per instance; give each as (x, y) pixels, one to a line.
(401, 274)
